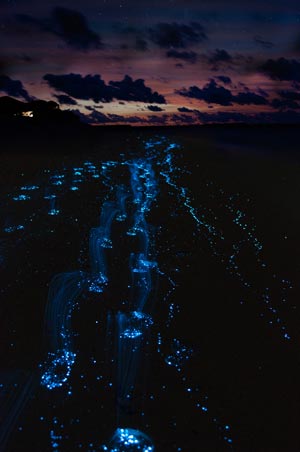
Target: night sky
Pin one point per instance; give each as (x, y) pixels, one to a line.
(155, 62)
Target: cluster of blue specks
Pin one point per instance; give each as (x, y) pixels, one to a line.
(21, 198)
(59, 369)
(53, 187)
(97, 283)
(53, 212)
(10, 229)
(63, 296)
(56, 438)
(179, 354)
(128, 439)
(29, 187)
(210, 224)
(135, 324)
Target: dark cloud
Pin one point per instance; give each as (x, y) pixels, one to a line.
(184, 110)
(175, 35)
(98, 107)
(126, 119)
(154, 108)
(221, 59)
(190, 57)
(262, 92)
(183, 119)
(263, 43)
(285, 104)
(290, 95)
(130, 90)
(224, 79)
(249, 98)
(65, 100)
(83, 118)
(281, 69)
(96, 117)
(92, 87)
(70, 25)
(13, 88)
(218, 58)
(160, 120)
(212, 93)
(222, 117)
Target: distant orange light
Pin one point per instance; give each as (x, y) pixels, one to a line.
(27, 114)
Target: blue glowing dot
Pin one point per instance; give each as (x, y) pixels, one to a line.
(53, 212)
(21, 198)
(129, 439)
(131, 333)
(29, 187)
(49, 197)
(11, 229)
